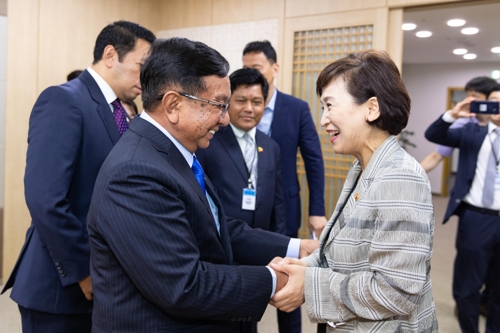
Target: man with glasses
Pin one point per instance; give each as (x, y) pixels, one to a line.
(161, 246)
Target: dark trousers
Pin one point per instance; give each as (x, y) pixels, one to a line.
(41, 322)
(478, 250)
(290, 322)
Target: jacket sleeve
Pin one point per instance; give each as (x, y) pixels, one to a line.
(310, 149)
(439, 132)
(278, 222)
(54, 139)
(395, 273)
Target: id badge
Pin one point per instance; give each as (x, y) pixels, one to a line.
(248, 202)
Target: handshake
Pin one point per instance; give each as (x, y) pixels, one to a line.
(290, 275)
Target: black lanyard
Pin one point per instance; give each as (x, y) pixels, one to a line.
(322, 255)
(493, 148)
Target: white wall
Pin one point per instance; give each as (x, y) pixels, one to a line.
(3, 85)
(428, 88)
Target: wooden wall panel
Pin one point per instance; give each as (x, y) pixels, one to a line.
(47, 39)
(175, 14)
(408, 3)
(22, 90)
(297, 8)
(395, 37)
(231, 11)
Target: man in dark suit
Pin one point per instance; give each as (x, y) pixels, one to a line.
(72, 129)
(161, 247)
(475, 198)
(250, 160)
(288, 121)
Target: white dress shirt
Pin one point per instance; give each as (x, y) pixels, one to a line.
(106, 90)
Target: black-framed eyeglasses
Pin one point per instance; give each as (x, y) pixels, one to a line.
(224, 107)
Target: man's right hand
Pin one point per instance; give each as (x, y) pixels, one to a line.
(86, 286)
(462, 109)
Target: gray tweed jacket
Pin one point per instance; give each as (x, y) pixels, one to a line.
(378, 251)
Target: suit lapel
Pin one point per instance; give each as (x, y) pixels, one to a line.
(279, 117)
(230, 143)
(262, 161)
(103, 108)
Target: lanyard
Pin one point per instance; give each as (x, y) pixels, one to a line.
(493, 149)
(250, 185)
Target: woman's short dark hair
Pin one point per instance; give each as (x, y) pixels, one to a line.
(372, 74)
(179, 64)
(249, 77)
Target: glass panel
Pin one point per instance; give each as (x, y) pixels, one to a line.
(369, 37)
(362, 29)
(370, 28)
(354, 30)
(339, 31)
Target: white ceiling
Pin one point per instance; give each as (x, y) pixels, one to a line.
(439, 47)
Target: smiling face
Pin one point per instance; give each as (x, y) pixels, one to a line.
(345, 121)
(197, 122)
(247, 106)
(126, 73)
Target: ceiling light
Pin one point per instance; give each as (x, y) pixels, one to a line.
(470, 31)
(459, 51)
(496, 49)
(408, 26)
(456, 23)
(495, 74)
(470, 56)
(424, 34)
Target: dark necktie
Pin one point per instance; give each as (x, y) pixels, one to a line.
(119, 114)
(198, 173)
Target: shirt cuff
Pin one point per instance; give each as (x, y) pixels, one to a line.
(447, 117)
(273, 273)
(293, 249)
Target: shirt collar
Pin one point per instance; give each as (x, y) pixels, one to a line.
(239, 133)
(187, 155)
(491, 127)
(106, 90)
(272, 102)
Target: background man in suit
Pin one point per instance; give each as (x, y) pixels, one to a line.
(161, 246)
(72, 129)
(288, 121)
(476, 200)
(250, 159)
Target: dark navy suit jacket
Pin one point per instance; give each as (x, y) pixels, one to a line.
(158, 263)
(224, 164)
(293, 128)
(71, 131)
(469, 140)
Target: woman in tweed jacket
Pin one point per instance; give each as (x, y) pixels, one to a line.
(371, 272)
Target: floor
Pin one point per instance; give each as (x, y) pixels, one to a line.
(441, 273)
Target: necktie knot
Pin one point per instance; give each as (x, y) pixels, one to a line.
(119, 115)
(198, 173)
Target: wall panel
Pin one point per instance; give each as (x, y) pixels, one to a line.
(296, 8)
(175, 14)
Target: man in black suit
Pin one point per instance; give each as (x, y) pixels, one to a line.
(249, 159)
(161, 246)
(72, 129)
(288, 121)
(475, 198)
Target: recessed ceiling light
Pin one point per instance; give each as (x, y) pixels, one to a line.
(456, 23)
(459, 51)
(496, 49)
(424, 34)
(470, 56)
(408, 26)
(470, 31)
(495, 74)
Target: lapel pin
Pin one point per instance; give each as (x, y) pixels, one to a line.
(356, 197)
(260, 149)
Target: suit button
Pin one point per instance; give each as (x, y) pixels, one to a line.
(63, 274)
(249, 319)
(57, 263)
(233, 318)
(457, 200)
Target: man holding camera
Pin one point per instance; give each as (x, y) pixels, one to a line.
(476, 201)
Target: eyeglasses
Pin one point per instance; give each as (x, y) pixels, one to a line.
(224, 107)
